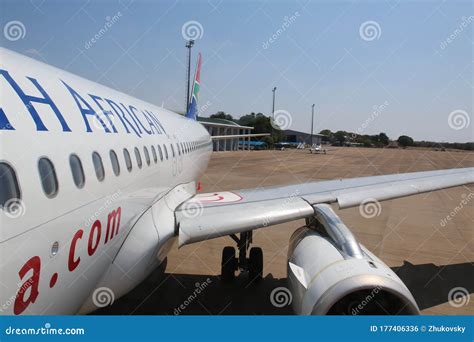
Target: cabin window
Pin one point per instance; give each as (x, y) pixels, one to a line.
(10, 191)
(153, 152)
(166, 151)
(77, 171)
(48, 178)
(172, 150)
(160, 152)
(147, 155)
(128, 160)
(139, 158)
(115, 162)
(98, 166)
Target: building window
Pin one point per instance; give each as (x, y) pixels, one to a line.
(77, 171)
(139, 158)
(147, 155)
(166, 151)
(177, 147)
(98, 166)
(128, 160)
(153, 152)
(115, 162)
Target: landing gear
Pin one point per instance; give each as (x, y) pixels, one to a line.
(255, 264)
(228, 264)
(252, 264)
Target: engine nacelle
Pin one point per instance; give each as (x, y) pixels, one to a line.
(329, 272)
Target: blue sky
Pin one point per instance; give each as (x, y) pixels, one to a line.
(407, 73)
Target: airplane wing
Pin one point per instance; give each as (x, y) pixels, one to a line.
(211, 215)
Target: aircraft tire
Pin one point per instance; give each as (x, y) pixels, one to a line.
(228, 264)
(255, 264)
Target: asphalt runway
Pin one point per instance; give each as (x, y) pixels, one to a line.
(430, 254)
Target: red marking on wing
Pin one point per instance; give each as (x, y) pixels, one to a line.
(219, 198)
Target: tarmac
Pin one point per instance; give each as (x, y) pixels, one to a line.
(427, 239)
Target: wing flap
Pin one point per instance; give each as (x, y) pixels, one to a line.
(212, 222)
(399, 189)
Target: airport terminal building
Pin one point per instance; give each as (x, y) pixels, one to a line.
(302, 137)
(226, 134)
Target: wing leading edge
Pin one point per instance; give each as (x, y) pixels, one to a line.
(207, 216)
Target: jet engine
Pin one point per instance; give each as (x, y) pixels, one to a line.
(330, 273)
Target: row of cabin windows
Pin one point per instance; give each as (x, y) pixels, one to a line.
(11, 190)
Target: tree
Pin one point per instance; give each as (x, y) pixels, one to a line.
(247, 120)
(222, 115)
(262, 124)
(340, 136)
(405, 141)
(383, 138)
(326, 132)
(268, 140)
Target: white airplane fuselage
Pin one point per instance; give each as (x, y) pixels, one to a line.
(57, 249)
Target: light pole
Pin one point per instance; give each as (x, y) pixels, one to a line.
(273, 110)
(189, 45)
(312, 120)
(273, 106)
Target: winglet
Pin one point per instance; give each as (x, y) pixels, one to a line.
(193, 110)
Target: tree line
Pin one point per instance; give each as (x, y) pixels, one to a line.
(262, 124)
